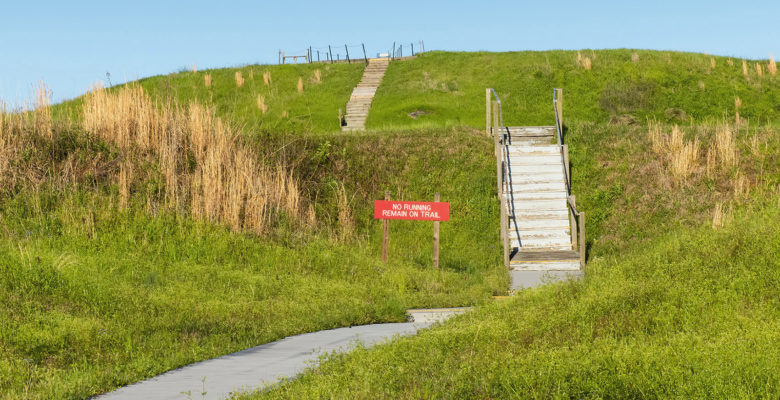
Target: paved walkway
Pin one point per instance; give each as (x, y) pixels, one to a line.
(259, 366)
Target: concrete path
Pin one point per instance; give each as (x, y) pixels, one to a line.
(259, 366)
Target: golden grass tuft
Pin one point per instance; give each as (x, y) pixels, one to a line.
(680, 156)
(317, 76)
(345, 219)
(228, 183)
(720, 216)
(723, 151)
(712, 62)
(207, 80)
(267, 78)
(730, 62)
(261, 103)
(744, 68)
(285, 114)
(587, 63)
(737, 105)
(300, 85)
(239, 79)
(635, 57)
(194, 68)
(772, 67)
(759, 69)
(579, 59)
(42, 114)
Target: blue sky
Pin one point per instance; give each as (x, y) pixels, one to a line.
(73, 44)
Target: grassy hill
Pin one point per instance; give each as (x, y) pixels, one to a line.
(116, 266)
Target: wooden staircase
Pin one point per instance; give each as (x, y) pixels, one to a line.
(539, 224)
(360, 102)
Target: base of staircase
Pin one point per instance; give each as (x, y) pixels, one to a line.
(530, 279)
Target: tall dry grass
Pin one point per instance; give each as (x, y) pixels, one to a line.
(317, 76)
(635, 57)
(261, 103)
(267, 78)
(712, 62)
(300, 85)
(203, 165)
(679, 155)
(587, 63)
(744, 68)
(239, 79)
(207, 80)
(772, 67)
(759, 69)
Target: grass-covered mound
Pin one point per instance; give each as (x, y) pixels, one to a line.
(140, 238)
(623, 86)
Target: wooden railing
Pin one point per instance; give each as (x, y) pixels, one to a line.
(576, 218)
(495, 127)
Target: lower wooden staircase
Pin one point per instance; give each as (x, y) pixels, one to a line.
(542, 230)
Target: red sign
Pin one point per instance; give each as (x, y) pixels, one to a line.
(415, 210)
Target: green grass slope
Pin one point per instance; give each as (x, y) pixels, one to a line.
(668, 86)
(313, 109)
(691, 314)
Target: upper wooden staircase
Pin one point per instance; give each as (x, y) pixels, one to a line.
(360, 102)
(541, 228)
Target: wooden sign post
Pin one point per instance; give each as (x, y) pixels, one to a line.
(435, 211)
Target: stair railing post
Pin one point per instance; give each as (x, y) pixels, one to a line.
(347, 50)
(330, 52)
(582, 240)
(504, 229)
(559, 100)
(487, 111)
(573, 222)
(365, 57)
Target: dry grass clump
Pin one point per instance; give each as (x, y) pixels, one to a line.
(585, 62)
(720, 216)
(712, 62)
(317, 76)
(723, 152)
(204, 167)
(635, 57)
(267, 78)
(730, 62)
(239, 79)
(194, 68)
(300, 85)
(345, 220)
(759, 69)
(680, 156)
(772, 67)
(737, 105)
(744, 68)
(261, 103)
(207, 80)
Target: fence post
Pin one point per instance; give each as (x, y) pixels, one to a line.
(364, 52)
(436, 237)
(393, 50)
(412, 45)
(385, 231)
(401, 50)
(347, 50)
(318, 56)
(487, 111)
(330, 51)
